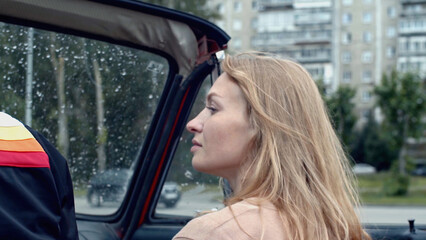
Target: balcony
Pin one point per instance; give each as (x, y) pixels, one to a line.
(268, 4)
(410, 13)
(412, 1)
(412, 31)
(412, 53)
(317, 57)
(413, 26)
(292, 38)
(312, 18)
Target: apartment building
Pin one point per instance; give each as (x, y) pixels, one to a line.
(412, 57)
(299, 30)
(365, 46)
(239, 20)
(412, 36)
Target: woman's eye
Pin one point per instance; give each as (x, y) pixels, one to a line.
(211, 109)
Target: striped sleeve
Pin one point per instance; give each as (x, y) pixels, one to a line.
(18, 147)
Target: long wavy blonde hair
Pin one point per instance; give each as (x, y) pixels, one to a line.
(296, 160)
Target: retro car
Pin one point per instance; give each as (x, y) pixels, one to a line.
(112, 83)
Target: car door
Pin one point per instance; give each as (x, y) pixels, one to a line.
(111, 84)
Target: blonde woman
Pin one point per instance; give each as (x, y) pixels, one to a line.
(265, 129)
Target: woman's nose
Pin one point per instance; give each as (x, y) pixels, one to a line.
(195, 125)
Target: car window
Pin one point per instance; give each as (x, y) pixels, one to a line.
(93, 100)
(190, 192)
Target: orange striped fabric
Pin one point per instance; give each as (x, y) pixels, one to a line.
(18, 147)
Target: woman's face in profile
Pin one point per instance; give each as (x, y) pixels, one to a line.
(221, 130)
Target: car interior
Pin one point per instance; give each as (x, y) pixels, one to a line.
(124, 76)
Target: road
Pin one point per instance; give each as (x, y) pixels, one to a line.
(393, 214)
(196, 200)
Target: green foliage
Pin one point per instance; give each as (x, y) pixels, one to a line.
(372, 147)
(401, 97)
(371, 189)
(396, 185)
(340, 107)
(12, 69)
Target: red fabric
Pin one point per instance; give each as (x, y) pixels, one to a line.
(24, 159)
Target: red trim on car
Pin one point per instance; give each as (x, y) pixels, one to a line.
(163, 157)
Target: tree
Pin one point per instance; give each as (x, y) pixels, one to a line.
(58, 65)
(341, 111)
(100, 117)
(401, 98)
(372, 147)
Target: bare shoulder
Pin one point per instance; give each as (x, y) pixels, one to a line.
(238, 221)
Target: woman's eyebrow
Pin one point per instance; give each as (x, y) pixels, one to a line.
(211, 95)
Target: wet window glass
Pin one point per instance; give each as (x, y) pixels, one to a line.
(93, 100)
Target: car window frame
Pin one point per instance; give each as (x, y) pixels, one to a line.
(172, 72)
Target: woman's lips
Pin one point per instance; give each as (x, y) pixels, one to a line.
(196, 145)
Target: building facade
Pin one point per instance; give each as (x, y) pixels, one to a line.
(412, 36)
(299, 30)
(239, 20)
(365, 45)
(342, 42)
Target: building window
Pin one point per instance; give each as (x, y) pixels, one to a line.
(416, 46)
(367, 57)
(390, 52)
(347, 76)
(367, 17)
(346, 18)
(366, 76)
(365, 96)
(346, 38)
(254, 23)
(237, 25)
(254, 5)
(391, 32)
(316, 72)
(238, 6)
(347, 2)
(220, 8)
(367, 37)
(391, 12)
(347, 57)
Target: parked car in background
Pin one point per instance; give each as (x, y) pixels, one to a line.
(419, 171)
(108, 186)
(111, 186)
(170, 194)
(363, 168)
